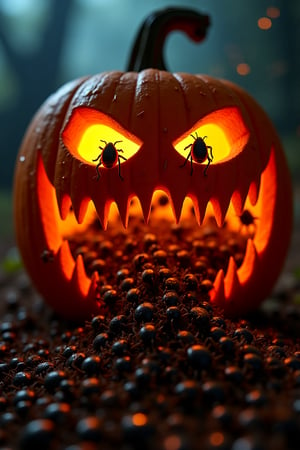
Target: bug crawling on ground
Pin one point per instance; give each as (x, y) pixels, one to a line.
(199, 152)
(109, 157)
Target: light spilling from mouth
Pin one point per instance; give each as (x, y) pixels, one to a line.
(223, 248)
(230, 226)
(226, 240)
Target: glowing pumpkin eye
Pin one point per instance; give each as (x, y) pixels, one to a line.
(89, 132)
(222, 133)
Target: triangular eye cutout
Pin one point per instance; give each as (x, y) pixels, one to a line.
(215, 138)
(88, 132)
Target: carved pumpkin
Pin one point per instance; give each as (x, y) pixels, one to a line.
(151, 118)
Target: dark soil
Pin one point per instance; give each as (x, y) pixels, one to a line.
(163, 370)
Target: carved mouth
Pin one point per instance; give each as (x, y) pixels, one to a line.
(241, 231)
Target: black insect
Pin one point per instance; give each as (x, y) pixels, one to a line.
(246, 218)
(109, 157)
(199, 152)
(248, 222)
(47, 255)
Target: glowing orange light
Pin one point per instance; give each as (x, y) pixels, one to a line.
(215, 138)
(172, 443)
(273, 12)
(218, 127)
(90, 145)
(216, 438)
(243, 69)
(139, 419)
(88, 130)
(264, 23)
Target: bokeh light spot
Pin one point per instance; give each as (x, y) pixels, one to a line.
(243, 69)
(264, 23)
(273, 12)
(139, 419)
(216, 439)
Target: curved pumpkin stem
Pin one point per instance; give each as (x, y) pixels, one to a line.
(147, 51)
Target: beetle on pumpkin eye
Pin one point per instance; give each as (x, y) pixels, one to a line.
(199, 152)
(109, 157)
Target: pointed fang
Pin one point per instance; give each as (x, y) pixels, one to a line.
(123, 212)
(80, 280)
(232, 283)
(254, 192)
(102, 213)
(64, 204)
(146, 207)
(217, 294)
(220, 209)
(65, 259)
(197, 211)
(80, 209)
(250, 262)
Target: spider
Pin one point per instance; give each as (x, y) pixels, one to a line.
(109, 157)
(248, 222)
(199, 152)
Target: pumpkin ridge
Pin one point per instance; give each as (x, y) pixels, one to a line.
(58, 103)
(124, 88)
(180, 80)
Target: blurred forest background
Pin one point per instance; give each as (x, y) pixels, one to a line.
(45, 43)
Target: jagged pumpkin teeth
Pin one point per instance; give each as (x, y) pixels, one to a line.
(218, 287)
(250, 261)
(80, 208)
(237, 203)
(123, 212)
(254, 191)
(80, 280)
(177, 211)
(197, 212)
(94, 286)
(65, 259)
(231, 281)
(203, 207)
(102, 211)
(64, 204)
(143, 136)
(220, 209)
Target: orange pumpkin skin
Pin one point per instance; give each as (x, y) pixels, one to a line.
(157, 107)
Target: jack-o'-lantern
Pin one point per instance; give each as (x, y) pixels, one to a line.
(106, 144)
